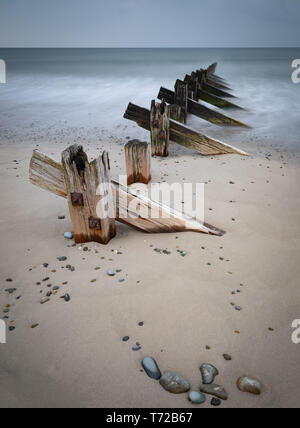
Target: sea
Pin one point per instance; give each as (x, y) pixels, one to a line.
(47, 89)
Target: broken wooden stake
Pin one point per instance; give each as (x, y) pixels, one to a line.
(137, 162)
(132, 209)
(89, 196)
(202, 111)
(181, 98)
(183, 134)
(160, 129)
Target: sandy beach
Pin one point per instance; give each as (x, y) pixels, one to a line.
(75, 357)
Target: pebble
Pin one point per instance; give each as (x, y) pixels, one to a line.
(136, 348)
(126, 338)
(67, 297)
(208, 372)
(174, 383)
(227, 357)
(151, 368)
(122, 280)
(118, 270)
(197, 397)
(49, 294)
(55, 288)
(9, 280)
(215, 402)
(61, 217)
(44, 300)
(216, 390)
(11, 328)
(238, 308)
(111, 273)
(10, 290)
(62, 258)
(34, 325)
(141, 324)
(68, 235)
(248, 384)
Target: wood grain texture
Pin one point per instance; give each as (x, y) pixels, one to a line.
(137, 162)
(142, 213)
(46, 173)
(93, 220)
(160, 129)
(181, 98)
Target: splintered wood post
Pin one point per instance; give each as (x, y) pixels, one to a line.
(181, 98)
(137, 162)
(175, 113)
(89, 195)
(160, 129)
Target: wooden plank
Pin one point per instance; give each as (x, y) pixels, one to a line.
(125, 201)
(160, 129)
(183, 134)
(137, 162)
(144, 214)
(217, 101)
(46, 173)
(215, 91)
(89, 196)
(202, 111)
(218, 85)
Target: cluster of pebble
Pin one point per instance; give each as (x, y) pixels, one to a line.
(176, 384)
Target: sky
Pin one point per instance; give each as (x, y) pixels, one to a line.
(149, 23)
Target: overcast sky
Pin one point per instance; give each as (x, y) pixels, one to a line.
(149, 23)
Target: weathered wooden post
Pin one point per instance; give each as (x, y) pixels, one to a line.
(137, 162)
(181, 98)
(89, 195)
(176, 113)
(160, 129)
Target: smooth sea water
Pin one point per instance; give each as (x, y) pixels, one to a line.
(48, 88)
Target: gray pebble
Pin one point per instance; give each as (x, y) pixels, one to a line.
(208, 372)
(136, 348)
(68, 235)
(44, 300)
(126, 338)
(111, 273)
(67, 297)
(197, 397)
(151, 368)
(215, 402)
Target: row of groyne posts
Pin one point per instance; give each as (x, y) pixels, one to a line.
(96, 202)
